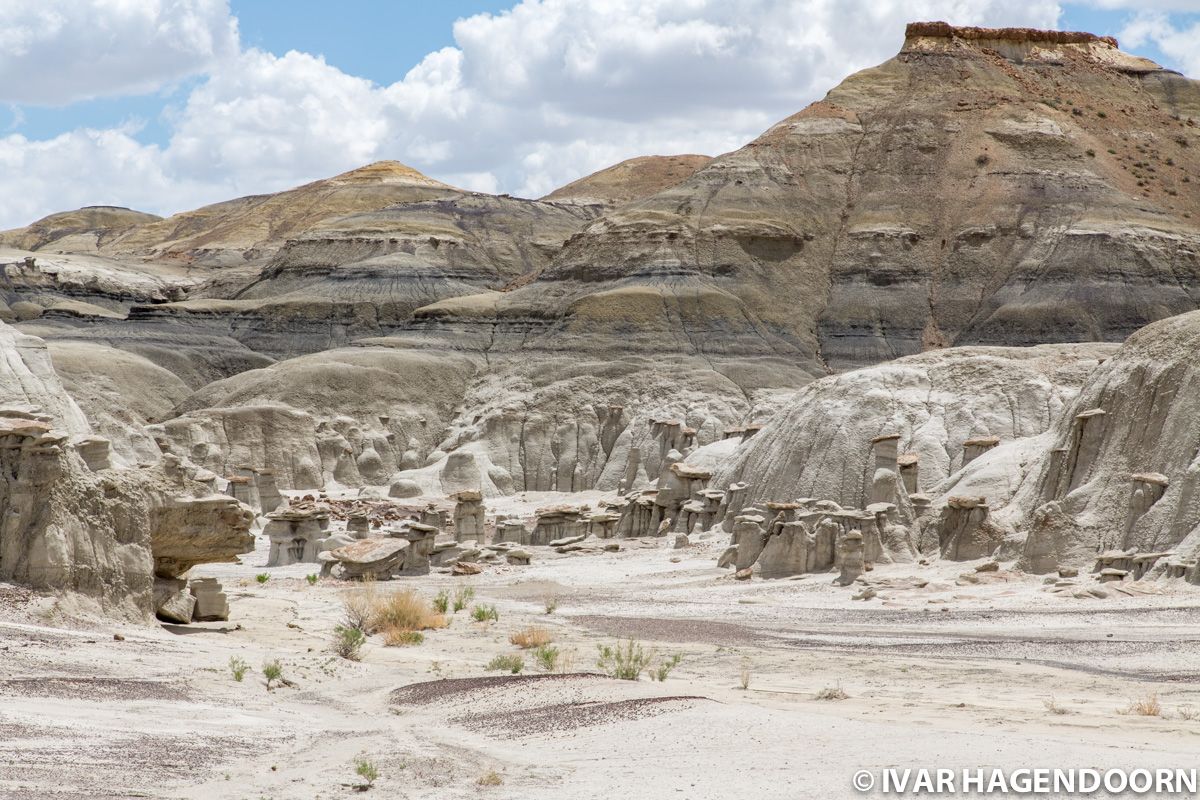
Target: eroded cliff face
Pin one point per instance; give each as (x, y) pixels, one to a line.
(1120, 469)
(979, 188)
(71, 522)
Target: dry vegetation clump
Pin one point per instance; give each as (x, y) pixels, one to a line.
(833, 693)
(490, 778)
(531, 637)
(1147, 706)
(396, 615)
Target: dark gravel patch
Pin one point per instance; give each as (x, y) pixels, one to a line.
(675, 630)
(420, 694)
(91, 688)
(565, 717)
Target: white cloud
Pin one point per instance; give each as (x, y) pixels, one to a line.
(58, 51)
(528, 99)
(1178, 44)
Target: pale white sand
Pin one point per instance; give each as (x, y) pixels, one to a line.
(948, 675)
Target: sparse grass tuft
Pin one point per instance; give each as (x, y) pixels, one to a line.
(463, 595)
(238, 667)
(441, 603)
(551, 604)
(531, 637)
(367, 771)
(272, 671)
(394, 637)
(348, 642)
(832, 693)
(1147, 706)
(546, 657)
(1190, 713)
(507, 663)
(745, 677)
(485, 614)
(661, 672)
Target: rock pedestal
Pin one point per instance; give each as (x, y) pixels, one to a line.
(420, 538)
(469, 516)
(850, 554)
(296, 535)
(211, 603)
(374, 559)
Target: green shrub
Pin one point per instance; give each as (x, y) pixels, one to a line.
(348, 642)
(312, 579)
(661, 672)
(507, 663)
(624, 662)
(463, 595)
(272, 671)
(547, 657)
(367, 771)
(238, 667)
(441, 603)
(262, 577)
(485, 613)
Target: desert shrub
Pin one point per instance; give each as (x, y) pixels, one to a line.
(485, 614)
(272, 671)
(551, 604)
(372, 611)
(832, 693)
(441, 602)
(624, 662)
(1190, 713)
(661, 672)
(398, 638)
(528, 638)
(463, 595)
(982, 159)
(744, 681)
(262, 577)
(507, 663)
(490, 778)
(312, 579)
(367, 771)
(546, 657)
(238, 668)
(348, 642)
(1147, 706)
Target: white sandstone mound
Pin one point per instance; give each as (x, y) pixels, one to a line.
(820, 445)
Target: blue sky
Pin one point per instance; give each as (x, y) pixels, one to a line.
(200, 100)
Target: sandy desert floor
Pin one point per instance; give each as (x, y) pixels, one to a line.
(997, 674)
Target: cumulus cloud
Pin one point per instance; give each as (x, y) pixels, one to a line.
(527, 100)
(1177, 43)
(58, 51)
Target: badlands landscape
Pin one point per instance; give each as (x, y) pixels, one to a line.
(874, 443)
